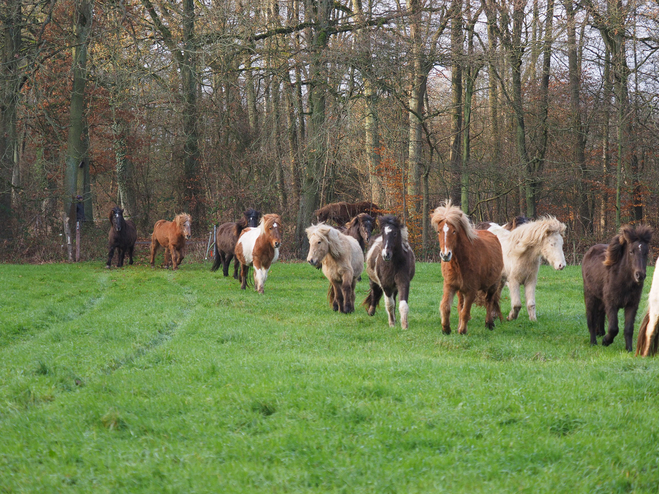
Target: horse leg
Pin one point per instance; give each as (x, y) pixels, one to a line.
(235, 268)
(348, 294)
(244, 271)
(226, 261)
(402, 304)
(465, 314)
(131, 249)
(515, 299)
(390, 305)
(154, 249)
(445, 308)
(373, 297)
(529, 294)
(110, 256)
(594, 318)
(630, 315)
(174, 256)
(121, 252)
(612, 316)
(337, 303)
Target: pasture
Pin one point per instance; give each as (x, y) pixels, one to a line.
(141, 380)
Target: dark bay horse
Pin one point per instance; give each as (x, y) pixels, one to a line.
(259, 247)
(359, 228)
(390, 265)
(226, 238)
(613, 277)
(172, 236)
(471, 262)
(342, 212)
(122, 236)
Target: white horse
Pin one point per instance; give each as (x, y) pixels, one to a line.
(646, 345)
(342, 260)
(522, 249)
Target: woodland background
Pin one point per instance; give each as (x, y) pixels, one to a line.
(507, 107)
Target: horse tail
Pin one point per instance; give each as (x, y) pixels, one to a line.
(330, 294)
(641, 342)
(217, 261)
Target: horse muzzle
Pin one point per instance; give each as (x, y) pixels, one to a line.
(277, 244)
(386, 255)
(188, 237)
(639, 276)
(446, 257)
(314, 262)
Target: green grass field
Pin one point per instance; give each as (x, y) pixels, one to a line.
(140, 380)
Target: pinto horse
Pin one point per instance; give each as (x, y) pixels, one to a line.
(359, 228)
(171, 235)
(613, 277)
(226, 238)
(342, 261)
(523, 247)
(122, 236)
(390, 265)
(259, 247)
(471, 262)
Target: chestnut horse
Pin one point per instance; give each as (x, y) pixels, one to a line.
(648, 336)
(613, 277)
(342, 212)
(259, 247)
(225, 241)
(122, 236)
(342, 260)
(171, 235)
(471, 262)
(359, 228)
(390, 265)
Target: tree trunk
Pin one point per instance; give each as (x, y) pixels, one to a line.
(77, 144)
(456, 100)
(415, 111)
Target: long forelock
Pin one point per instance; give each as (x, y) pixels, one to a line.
(455, 217)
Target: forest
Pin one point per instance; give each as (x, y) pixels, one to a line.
(507, 107)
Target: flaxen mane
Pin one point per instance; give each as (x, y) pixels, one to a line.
(455, 217)
(533, 233)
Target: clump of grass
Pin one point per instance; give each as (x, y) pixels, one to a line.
(113, 420)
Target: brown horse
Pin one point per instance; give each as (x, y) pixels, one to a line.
(259, 247)
(359, 228)
(342, 212)
(122, 236)
(613, 277)
(225, 241)
(171, 235)
(471, 262)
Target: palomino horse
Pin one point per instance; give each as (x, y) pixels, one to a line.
(342, 260)
(523, 247)
(648, 334)
(171, 235)
(471, 262)
(226, 238)
(259, 247)
(390, 265)
(359, 228)
(122, 236)
(613, 277)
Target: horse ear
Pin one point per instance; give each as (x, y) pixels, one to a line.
(110, 216)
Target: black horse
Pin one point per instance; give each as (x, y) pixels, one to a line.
(226, 238)
(390, 265)
(613, 277)
(122, 237)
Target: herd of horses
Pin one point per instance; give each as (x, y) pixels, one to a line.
(476, 263)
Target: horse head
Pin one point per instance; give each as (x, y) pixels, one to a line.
(631, 246)
(252, 217)
(392, 238)
(552, 245)
(450, 223)
(117, 218)
(184, 223)
(365, 226)
(319, 245)
(271, 228)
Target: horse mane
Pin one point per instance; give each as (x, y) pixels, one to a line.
(627, 235)
(532, 233)
(179, 219)
(331, 235)
(268, 220)
(453, 215)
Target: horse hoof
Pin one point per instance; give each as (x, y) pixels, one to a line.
(446, 330)
(107, 266)
(371, 311)
(606, 342)
(462, 331)
(489, 326)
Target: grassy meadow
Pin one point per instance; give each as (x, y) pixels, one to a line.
(141, 380)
